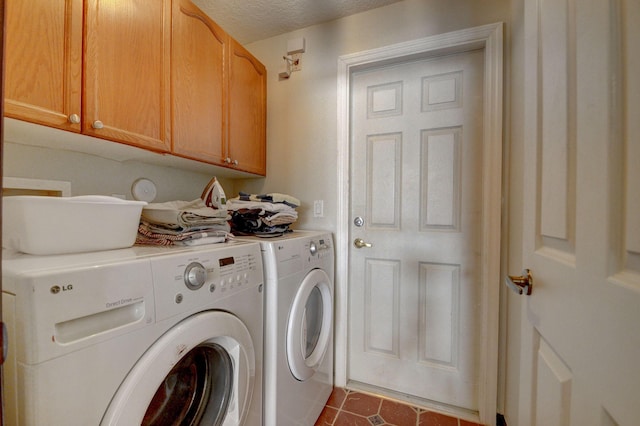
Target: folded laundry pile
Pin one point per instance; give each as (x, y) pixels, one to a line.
(186, 223)
(265, 215)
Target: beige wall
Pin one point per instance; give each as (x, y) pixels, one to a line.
(91, 174)
(301, 112)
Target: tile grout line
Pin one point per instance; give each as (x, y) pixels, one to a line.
(418, 411)
(344, 401)
(379, 409)
(339, 410)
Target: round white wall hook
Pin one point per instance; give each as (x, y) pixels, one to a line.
(144, 190)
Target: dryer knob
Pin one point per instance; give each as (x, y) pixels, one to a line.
(194, 275)
(313, 249)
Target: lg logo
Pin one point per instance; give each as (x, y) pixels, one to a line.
(57, 289)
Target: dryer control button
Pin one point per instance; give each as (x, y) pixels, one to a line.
(313, 248)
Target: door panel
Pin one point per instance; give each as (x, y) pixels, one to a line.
(553, 393)
(127, 70)
(579, 347)
(198, 54)
(417, 180)
(248, 111)
(44, 62)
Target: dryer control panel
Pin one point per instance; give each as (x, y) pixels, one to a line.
(320, 247)
(203, 277)
(298, 252)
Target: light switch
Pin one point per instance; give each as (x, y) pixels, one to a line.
(318, 208)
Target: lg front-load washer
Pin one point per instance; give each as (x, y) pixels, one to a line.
(139, 336)
(299, 277)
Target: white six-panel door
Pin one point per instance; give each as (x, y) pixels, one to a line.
(408, 181)
(416, 175)
(580, 341)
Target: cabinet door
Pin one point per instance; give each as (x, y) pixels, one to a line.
(44, 62)
(127, 72)
(198, 52)
(247, 110)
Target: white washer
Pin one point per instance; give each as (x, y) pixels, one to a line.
(128, 336)
(299, 288)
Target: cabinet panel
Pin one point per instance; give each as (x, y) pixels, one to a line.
(139, 73)
(199, 48)
(247, 110)
(44, 61)
(127, 71)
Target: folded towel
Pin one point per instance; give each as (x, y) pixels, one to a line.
(235, 204)
(281, 218)
(201, 241)
(159, 228)
(274, 197)
(183, 214)
(151, 235)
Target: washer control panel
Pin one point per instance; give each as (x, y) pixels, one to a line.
(185, 281)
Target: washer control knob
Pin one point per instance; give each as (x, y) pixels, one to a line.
(313, 248)
(194, 275)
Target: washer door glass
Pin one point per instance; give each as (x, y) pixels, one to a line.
(201, 371)
(197, 390)
(309, 325)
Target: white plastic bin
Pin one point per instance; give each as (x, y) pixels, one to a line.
(55, 225)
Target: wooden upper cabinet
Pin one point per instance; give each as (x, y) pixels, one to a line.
(218, 94)
(198, 77)
(159, 75)
(43, 74)
(247, 110)
(127, 72)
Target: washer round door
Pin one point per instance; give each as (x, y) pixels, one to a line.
(201, 371)
(309, 325)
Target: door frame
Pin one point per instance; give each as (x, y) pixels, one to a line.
(490, 39)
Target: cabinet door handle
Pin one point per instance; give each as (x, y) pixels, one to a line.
(97, 124)
(235, 162)
(74, 119)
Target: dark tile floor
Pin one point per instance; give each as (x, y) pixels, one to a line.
(351, 408)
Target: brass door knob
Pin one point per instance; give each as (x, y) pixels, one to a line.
(522, 284)
(360, 243)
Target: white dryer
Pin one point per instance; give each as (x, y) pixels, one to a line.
(299, 292)
(145, 336)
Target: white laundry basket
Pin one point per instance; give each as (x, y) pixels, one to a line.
(55, 225)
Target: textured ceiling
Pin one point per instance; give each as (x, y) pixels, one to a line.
(251, 20)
